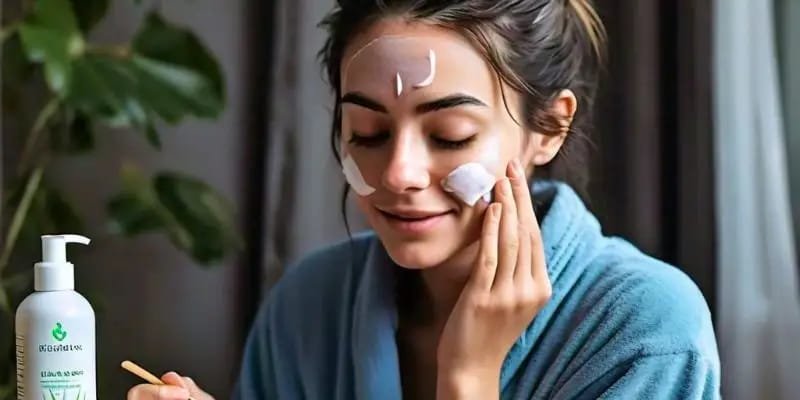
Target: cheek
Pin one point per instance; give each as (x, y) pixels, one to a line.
(508, 146)
(363, 204)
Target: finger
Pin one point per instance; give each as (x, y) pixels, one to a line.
(509, 241)
(486, 266)
(538, 262)
(523, 268)
(147, 391)
(191, 385)
(522, 194)
(195, 390)
(173, 378)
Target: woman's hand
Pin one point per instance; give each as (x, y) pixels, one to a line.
(507, 288)
(176, 388)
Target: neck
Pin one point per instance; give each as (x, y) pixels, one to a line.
(442, 285)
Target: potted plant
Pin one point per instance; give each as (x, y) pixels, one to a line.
(163, 75)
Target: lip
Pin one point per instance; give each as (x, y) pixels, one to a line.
(413, 221)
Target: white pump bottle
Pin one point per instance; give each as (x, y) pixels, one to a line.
(55, 331)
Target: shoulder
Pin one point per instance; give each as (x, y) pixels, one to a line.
(654, 307)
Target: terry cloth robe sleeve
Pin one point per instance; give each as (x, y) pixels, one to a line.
(257, 378)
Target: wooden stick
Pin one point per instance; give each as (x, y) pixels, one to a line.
(143, 373)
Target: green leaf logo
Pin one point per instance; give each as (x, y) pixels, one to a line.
(58, 332)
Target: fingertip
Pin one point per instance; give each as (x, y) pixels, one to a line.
(146, 391)
(511, 170)
(173, 378)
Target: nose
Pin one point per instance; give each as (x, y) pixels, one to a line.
(407, 169)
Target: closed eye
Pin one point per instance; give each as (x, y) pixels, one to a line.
(368, 140)
(453, 144)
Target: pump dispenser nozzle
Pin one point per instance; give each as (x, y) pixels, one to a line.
(54, 272)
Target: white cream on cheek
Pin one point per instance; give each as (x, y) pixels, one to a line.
(470, 182)
(354, 177)
(473, 181)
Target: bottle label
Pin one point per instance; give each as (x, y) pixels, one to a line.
(56, 363)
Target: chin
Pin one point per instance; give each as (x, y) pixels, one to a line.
(417, 255)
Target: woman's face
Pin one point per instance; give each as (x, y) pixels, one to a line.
(406, 138)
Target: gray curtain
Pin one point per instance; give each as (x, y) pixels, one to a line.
(304, 183)
(758, 305)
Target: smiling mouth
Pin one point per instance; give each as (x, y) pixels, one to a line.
(413, 216)
(413, 223)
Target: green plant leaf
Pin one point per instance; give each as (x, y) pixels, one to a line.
(194, 217)
(107, 88)
(200, 211)
(168, 73)
(173, 91)
(135, 210)
(50, 36)
(160, 41)
(89, 12)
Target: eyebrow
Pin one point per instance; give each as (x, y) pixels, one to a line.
(363, 101)
(451, 101)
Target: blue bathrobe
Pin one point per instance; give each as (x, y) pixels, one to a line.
(619, 325)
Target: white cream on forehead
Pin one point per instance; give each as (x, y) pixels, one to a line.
(432, 70)
(399, 84)
(428, 79)
(409, 61)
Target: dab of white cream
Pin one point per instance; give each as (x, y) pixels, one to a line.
(399, 84)
(353, 177)
(470, 182)
(432, 73)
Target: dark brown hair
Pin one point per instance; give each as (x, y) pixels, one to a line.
(536, 47)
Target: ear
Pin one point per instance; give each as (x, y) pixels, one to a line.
(541, 148)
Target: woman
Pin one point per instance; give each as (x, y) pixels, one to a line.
(458, 293)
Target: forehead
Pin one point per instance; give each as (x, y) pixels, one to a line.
(374, 59)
